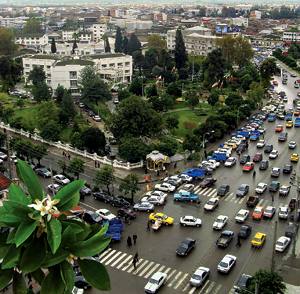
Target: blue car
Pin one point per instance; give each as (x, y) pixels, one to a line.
(186, 196)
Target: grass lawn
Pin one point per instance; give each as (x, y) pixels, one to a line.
(28, 116)
(65, 134)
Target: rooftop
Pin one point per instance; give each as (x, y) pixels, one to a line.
(44, 56)
(106, 55)
(74, 62)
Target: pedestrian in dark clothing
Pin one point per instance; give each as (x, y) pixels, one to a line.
(205, 153)
(157, 173)
(64, 154)
(96, 163)
(134, 237)
(254, 173)
(175, 165)
(238, 243)
(69, 156)
(148, 226)
(129, 242)
(136, 257)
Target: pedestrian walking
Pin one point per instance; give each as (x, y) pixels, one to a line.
(69, 156)
(64, 154)
(205, 153)
(134, 237)
(238, 243)
(254, 174)
(148, 226)
(175, 165)
(136, 257)
(96, 163)
(129, 242)
(134, 262)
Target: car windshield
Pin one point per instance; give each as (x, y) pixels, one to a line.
(184, 245)
(241, 214)
(280, 243)
(211, 202)
(223, 264)
(153, 281)
(257, 210)
(105, 212)
(256, 239)
(219, 220)
(196, 277)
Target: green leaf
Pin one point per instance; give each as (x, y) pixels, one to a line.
(3, 250)
(11, 258)
(5, 277)
(16, 194)
(95, 274)
(70, 233)
(24, 231)
(33, 256)
(30, 179)
(67, 194)
(53, 283)
(53, 259)
(19, 284)
(16, 208)
(38, 275)
(8, 220)
(11, 236)
(54, 234)
(94, 245)
(67, 275)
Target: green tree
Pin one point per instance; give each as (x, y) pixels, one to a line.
(50, 131)
(106, 44)
(53, 46)
(32, 26)
(234, 100)
(20, 103)
(135, 117)
(193, 101)
(156, 42)
(136, 86)
(2, 139)
(59, 93)
(174, 89)
(172, 122)
(118, 41)
(129, 186)
(256, 92)
(268, 68)
(133, 149)
(151, 58)
(45, 245)
(10, 72)
(213, 98)
(67, 108)
(180, 51)
(39, 151)
(93, 140)
(76, 167)
(138, 59)
(63, 166)
(133, 44)
(151, 90)
(7, 42)
(125, 45)
(267, 282)
(41, 92)
(37, 75)
(192, 142)
(123, 94)
(47, 111)
(167, 145)
(104, 177)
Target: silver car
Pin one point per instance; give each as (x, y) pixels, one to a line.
(199, 276)
(143, 206)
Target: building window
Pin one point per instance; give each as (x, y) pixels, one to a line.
(103, 65)
(73, 83)
(127, 63)
(111, 65)
(73, 74)
(49, 82)
(27, 65)
(120, 64)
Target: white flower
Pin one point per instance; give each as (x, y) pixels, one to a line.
(45, 207)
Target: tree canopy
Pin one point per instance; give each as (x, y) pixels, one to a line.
(156, 42)
(118, 41)
(93, 140)
(7, 42)
(180, 52)
(37, 75)
(133, 44)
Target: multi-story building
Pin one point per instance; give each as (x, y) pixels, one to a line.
(13, 22)
(291, 37)
(36, 41)
(116, 67)
(198, 40)
(82, 36)
(98, 30)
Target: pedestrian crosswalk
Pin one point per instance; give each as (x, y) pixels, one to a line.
(176, 279)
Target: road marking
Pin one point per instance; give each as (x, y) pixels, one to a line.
(175, 279)
(146, 268)
(212, 193)
(172, 273)
(260, 202)
(167, 270)
(240, 202)
(204, 286)
(132, 268)
(89, 206)
(124, 261)
(203, 192)
(217, 289)
(120, 258)
(180, 281)
(107, 256)
(236, 200)
(151, 271)
(192, 290)
(186, 286)
(104, 253)
(140, 266)
(113, 258)
(161, 268)
(210, 287)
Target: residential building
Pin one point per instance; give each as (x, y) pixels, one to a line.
(133, 24)
(114, 67)
(98, 30)
(81, 36)
(13, 22)
(198, 40)
(291, 37)
(36, 41)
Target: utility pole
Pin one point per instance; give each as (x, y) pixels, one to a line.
(273, 248)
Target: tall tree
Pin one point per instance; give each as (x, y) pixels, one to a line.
(37, 75)
(125, 45)
(93, 140)
(32, 26)
(268, 68)
(7, 42)
(75, 46)
(67, 108)
(76, 167)
(156, 42)
(180, 52)
(106, 44)
(118, 41)
(133, 44)
(53, 46)
(133, 149)
(59, 93)
(129, 186)
(41, 92)
(104, 177)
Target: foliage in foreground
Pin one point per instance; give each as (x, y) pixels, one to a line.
(38, 241)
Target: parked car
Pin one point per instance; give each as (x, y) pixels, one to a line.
(261, 188)
(119, 202)
(61, 179)
(231, 161)
(257, 157)
(92, 217)
(261, 144)
(208, 182)
(275, 172)
(244, 159)
(190, 221)
(96, 118)
(185, 247)
(269, 212)
(225, 238)
(156, 281)
(268, 148)
(211, 204)
(282, 243)
(292, 145)
(274, 186)
(187, 187)
(223, 190)
(273, 154)
(166, 187)
(43, 172)
(291, 230)
(186, 196)
(283, 212)
(242, 215)
(126, 213)
(252, 201)
(85, 191)
(53, 188)
(199, 277)
(245, 231)
(220, 222)
(249, 166)
(143, 206)
(287, 169)
(103, 196)
(105, 214)
(257, 213)
(186, 178)
(259, 240)
(226, 264)
(284, 190)
(177, 180)
(242, 190)
(242, 283)
(264, 164)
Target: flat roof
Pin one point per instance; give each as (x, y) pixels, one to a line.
(107, 55)
(44, 56)
(74, 62)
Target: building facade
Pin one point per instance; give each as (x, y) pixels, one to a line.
(291, 37)
(98, 30)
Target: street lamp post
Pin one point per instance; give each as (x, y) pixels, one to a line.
(203, 142)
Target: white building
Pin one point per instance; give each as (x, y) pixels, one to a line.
(35, 41)
(133, 24)
(115, 67)
(289, 37)
(81, 36)
(198, 40)
(13, 22)
(240, 21)
(98, 30)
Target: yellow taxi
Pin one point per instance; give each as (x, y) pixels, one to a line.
(294, 157)
(289, 124)
(166, 220)
(259, 240)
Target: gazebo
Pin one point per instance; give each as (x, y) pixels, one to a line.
(156, 160)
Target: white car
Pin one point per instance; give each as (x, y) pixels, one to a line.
(187, 187)
(199, 277)
(53, 188)
(269, 212)
(186, 178)
(3, 156)
(61, 179)
(191, 221)
(106, 214)
(157, 193)
(261, 188)
(220, 222)
(292, 145)
(231, 161)
(156, 200)
(208, 165)
(166, 187)
(282, 243)
(211, 204)
(155, 282)
(227, 263)
(260, 144)
(242, 215)
(214, 163)
(96, 118)
(283, 212)
(273, 154)
(176, 179)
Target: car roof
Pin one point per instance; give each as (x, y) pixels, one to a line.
(221, 217)
(228, 257)
(157, 275)
(201, 269)
(213, 199)
(283, 238)
(243, 211)
(259, 235)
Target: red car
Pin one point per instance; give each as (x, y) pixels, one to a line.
(258, 213)
(257, 157)
(249, 166)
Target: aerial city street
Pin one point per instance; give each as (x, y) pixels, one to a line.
(149, 148)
